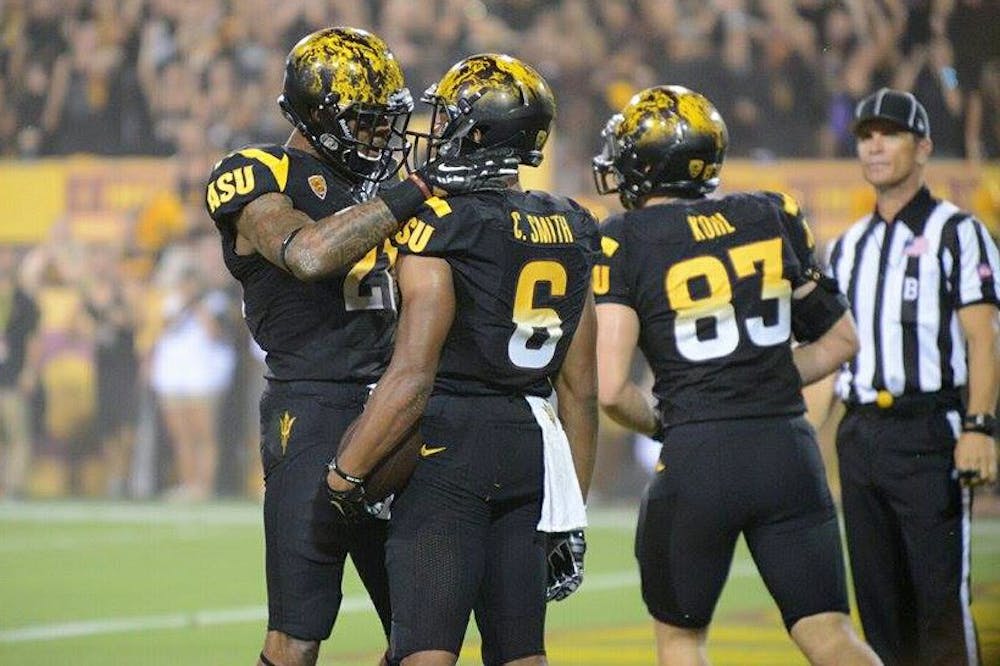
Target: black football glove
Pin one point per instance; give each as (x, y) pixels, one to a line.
(484, 169)
(565, 559)
(353, 503)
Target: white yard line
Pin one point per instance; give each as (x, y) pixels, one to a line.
(124, 625)
(249, 513)
(50, 542)
(131, 513)
(247, 614)
(234, 513)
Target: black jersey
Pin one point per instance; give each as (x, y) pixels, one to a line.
(336, 329)
(521, 265)
(711, 281)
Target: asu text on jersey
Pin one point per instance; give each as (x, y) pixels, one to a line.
(712, 281)
(336, 329)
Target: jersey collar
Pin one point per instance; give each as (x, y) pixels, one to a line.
(915, 213)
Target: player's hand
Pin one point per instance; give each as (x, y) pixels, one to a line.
(976, 458)
(565, 560)
(486, 169)
(346, 495)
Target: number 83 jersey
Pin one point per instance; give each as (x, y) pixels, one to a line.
(521, 265)
(336, 329)
(711, 281)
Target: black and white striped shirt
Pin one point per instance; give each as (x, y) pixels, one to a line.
(906, 280)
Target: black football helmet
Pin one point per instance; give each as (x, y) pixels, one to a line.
(668, 140)
(344, 92)
(487, 101)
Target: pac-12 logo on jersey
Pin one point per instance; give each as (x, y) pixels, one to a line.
(317, 184)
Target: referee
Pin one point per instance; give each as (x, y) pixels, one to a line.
(920, 275)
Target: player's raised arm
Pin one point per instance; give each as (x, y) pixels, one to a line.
(310, 250)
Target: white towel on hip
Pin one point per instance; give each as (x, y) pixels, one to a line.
(562, 503)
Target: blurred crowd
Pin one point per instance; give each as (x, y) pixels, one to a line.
(125, 372)
(160, 76)
(126, 364)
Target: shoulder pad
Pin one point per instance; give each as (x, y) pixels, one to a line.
(787, 202)
(588, 233)
(434, 230)
(794, 221)
(612, 223)
(244, 175)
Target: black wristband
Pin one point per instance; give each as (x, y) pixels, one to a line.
(403, 199)
(284, 247)
(981, 423)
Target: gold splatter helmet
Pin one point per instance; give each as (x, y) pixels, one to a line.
(488, 100)
(344, 92)
(668, 140)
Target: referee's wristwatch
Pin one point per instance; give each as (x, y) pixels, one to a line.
(981, 423)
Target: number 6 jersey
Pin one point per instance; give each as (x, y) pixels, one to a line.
(711, 281)
(336, 329)
(521, 265)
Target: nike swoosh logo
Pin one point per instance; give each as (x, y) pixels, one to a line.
(426, 451)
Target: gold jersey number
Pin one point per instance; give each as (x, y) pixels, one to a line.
(763, 257)
(531, 320)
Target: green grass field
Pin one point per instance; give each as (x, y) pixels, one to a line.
(147, 584)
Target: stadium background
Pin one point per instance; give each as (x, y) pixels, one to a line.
(113, 111)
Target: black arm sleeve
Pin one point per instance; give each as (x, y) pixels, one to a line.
(815, 314)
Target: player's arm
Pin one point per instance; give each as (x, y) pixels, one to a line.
(620, 397)
(796, 229)
(310, 250)
(428, 296)
(976, 451)
(576, 388)
(822, 321)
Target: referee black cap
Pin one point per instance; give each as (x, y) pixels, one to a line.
(896, 106)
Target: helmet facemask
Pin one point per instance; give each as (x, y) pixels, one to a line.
(607, 178)
(368, 141)
(446, 130)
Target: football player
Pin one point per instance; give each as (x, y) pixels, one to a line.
(304, 236)
(713, 290)
(496, 310)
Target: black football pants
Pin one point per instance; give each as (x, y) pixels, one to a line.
(907, 525)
